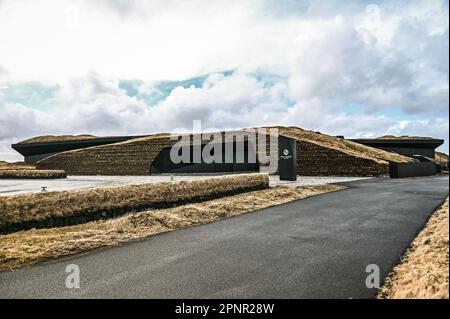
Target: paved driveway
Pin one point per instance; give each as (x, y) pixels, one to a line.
(313, 248)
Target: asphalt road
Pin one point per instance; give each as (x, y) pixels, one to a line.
(313, 248)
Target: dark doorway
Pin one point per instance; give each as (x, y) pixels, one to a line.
(163, 164)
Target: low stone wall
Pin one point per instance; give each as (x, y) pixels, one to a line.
(403, 170)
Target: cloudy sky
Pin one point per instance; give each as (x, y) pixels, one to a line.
(113, 67)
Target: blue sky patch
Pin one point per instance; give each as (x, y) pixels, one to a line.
(31, 94)
(160, 90)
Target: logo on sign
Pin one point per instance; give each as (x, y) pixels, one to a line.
(285, 154)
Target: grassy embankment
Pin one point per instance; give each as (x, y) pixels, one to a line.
(423, 272)
(24, 170)
(62, 208)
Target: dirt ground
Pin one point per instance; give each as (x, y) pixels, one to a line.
(33, 246)
(424, 271)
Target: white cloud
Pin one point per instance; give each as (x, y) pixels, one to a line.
(233, 101)
(294, 62)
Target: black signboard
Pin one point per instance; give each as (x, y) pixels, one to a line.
(287, 158)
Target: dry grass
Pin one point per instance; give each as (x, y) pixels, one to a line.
(345, 146)
(403, 137)
(15, 165)
(30, 247)
(25, 170)
(42, 206)
(32, 173)
(423, 272)
(57, 138)
(441, 157)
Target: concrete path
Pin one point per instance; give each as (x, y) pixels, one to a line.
(313, 248)
(19, 186)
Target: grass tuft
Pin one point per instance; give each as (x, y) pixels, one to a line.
(31, 173)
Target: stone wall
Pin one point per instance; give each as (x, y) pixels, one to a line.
(315, 160)
(125, 158)
(135, 157)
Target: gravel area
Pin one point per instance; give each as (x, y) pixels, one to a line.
(19, 186)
